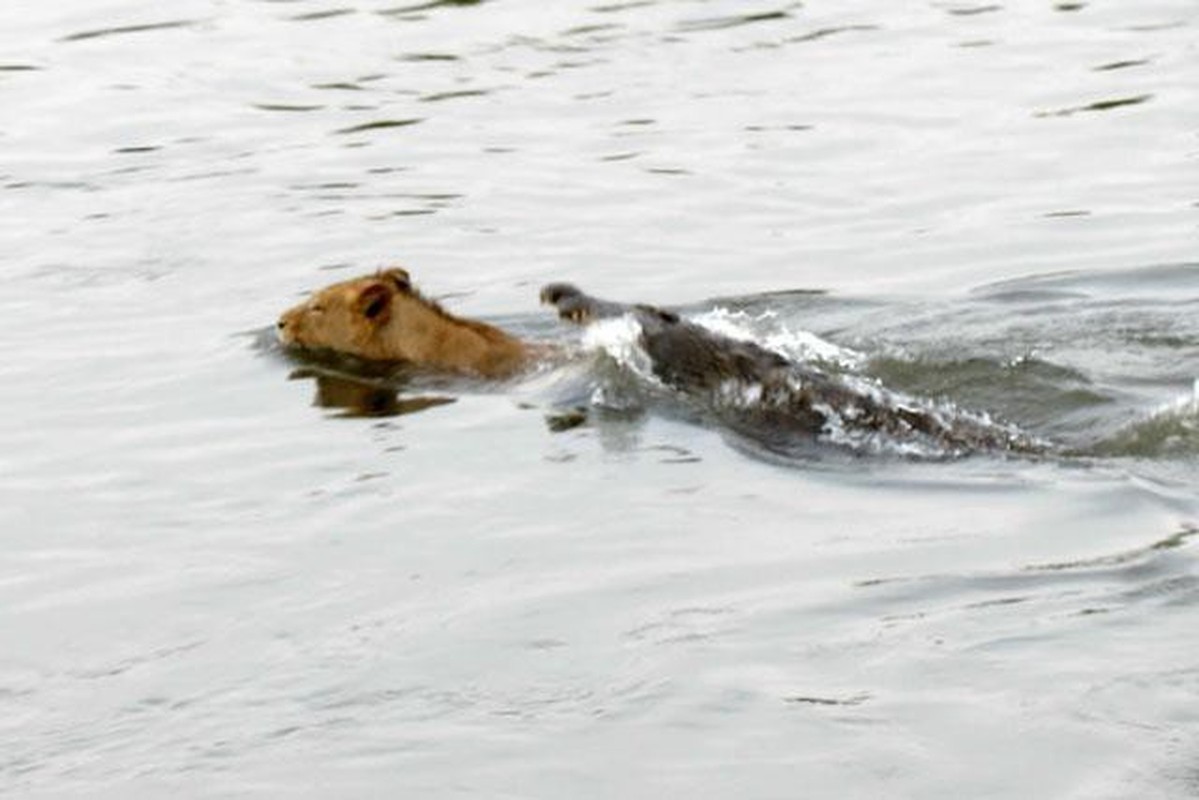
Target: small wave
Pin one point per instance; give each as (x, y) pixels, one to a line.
(128, 29)
(620, 337)
(798, 345)
(1052, 398)
(927, 429)
(734, 21)
(623, 388)
(1170, 431)
(784, 408)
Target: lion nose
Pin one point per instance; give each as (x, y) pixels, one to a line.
(284, 330)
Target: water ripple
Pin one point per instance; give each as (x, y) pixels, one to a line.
(824, 33)
(128, 29)
(382, 124)
(431, 57)
(315, 16)
(973, 11)
(208, 500)
(401, 11)
(1115, 65)
(1100, 105)
(733, 21)
(455, 95)
(286, 107)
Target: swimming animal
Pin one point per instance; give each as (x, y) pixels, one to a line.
(383, 317)
(765, 394)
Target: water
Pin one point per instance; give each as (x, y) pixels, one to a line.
(212, 586)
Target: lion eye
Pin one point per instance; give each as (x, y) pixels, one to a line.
(317, 308)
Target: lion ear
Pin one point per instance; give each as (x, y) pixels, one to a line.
(399, 277)
(374, 302)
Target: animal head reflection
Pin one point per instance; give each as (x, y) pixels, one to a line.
(365, 398)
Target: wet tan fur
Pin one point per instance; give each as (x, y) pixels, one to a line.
(383, 318)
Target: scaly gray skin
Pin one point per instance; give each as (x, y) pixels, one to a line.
(575, 306)
(794, 397)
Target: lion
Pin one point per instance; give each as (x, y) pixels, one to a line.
(382, 317)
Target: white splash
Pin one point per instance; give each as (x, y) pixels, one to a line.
(620, 338)
(1171, 429)
(1184, 406)
(797, 345)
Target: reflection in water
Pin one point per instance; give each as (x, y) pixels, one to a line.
(126, 29)
(199, 584)
(1161, 571)
(316, 16)
(720, 23)
(429, 6)
(378, 125)
(1124, 64)
(1170, 432)
(1139, 557)
(1044, 373)
(364, 398)
(973, 11)
(1100, 105)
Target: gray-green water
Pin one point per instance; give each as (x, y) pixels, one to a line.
(211, 586)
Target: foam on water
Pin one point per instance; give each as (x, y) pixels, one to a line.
(764, 329)
(766, 411)
(210, 587)
(620, 338)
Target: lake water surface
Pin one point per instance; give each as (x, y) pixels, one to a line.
(216, 580)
